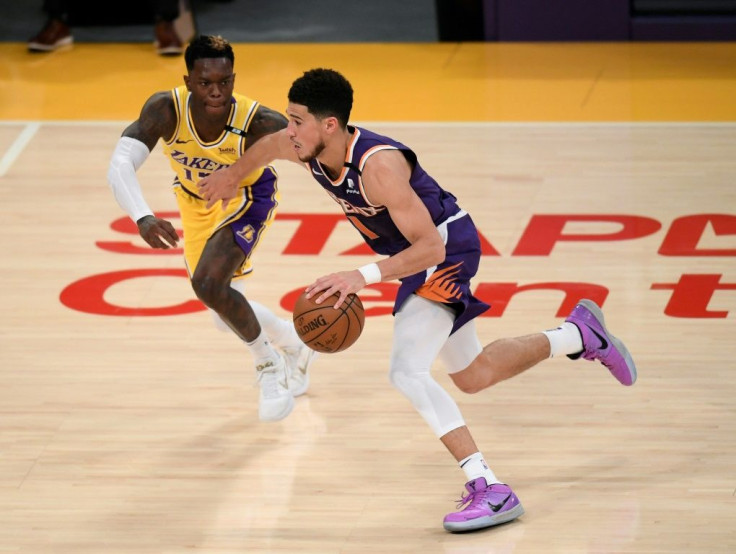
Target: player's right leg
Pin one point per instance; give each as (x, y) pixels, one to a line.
(485, 505)
(421, 329)
(299, 359)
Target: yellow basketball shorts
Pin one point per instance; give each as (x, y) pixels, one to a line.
(248, 216)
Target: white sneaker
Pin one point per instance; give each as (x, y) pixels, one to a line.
(275, 402)
(298, 361)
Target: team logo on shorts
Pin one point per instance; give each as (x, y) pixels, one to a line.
(247, 233)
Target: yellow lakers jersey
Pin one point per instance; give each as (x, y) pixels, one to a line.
(250, 213)
(192, 158)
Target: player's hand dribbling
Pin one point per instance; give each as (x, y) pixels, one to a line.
(157, 232)
(218, 186)
(341, 283)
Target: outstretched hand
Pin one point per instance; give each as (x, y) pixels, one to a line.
(218, 186)
(157, 232)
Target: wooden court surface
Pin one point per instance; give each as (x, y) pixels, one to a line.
(601, 169)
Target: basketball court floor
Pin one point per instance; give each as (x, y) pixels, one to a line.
(128, 423)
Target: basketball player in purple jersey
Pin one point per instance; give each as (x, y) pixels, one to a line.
(432, 247)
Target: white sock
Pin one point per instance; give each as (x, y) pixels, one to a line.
(475, 466)
(280, 331)
(566, 339)
(261, 349)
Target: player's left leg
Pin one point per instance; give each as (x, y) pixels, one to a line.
(299, 357)
(220, 259)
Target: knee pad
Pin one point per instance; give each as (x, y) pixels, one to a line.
(432, 402)
(406, 381)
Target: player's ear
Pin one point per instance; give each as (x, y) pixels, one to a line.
(331, 124)
(186, 82)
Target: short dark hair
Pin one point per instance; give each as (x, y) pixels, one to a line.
(208, 46)
(325, 93)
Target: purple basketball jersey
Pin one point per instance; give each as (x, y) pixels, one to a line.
(449, 282)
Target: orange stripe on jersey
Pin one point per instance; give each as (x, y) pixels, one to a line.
(348, 158)
(440, 286)
(368, 153)
(362, 228)
(361, 164)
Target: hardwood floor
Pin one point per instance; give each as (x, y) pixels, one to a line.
(128, 423)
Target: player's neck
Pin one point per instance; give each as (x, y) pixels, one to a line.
(333, 156)
(208, 127)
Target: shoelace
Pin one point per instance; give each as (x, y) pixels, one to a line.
(470, 499)
(592, 356)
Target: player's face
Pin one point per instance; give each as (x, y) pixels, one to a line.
(305, 131)
(211, 83)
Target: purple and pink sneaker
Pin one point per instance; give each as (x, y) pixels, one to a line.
(599, 344)
(487, 505)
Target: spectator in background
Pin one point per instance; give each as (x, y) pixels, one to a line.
(57, 32)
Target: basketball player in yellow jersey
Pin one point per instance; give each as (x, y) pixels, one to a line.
(205, 126)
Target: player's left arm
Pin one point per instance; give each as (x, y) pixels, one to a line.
(386, 182)
(265, 121)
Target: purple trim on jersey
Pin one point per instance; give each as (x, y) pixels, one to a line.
(248, 227)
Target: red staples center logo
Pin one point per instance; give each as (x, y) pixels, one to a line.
(686, 237)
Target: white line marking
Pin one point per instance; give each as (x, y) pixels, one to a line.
(18, 146)
(31, 127)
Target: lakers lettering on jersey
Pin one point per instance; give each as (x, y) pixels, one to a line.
(192, 159)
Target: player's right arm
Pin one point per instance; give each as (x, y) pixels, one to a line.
(156, 120)
(222, 185)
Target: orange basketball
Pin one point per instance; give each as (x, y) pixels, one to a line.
(326, 329)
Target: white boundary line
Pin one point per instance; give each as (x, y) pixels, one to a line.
(31, 127)
(19, 144)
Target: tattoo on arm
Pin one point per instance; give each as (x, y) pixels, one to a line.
(157, 120)
(265, 121)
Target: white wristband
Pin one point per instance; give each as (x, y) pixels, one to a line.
(370, 273)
